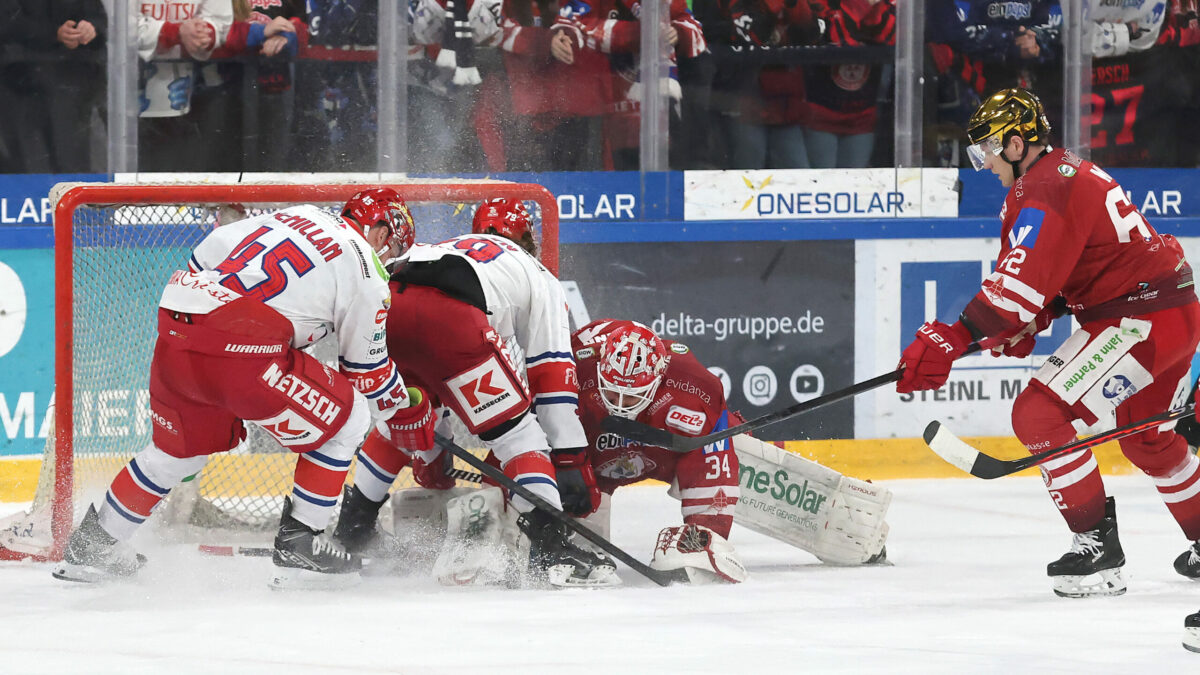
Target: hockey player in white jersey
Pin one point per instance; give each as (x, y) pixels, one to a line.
(518, 301)
(230, 331)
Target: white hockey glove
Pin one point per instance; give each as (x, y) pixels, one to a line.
(705, 555)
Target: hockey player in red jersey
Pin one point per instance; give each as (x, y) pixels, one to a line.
(627, 370)
(1071, 241)
(230, 333)
(454, 304)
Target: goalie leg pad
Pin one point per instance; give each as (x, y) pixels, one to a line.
(705, 555)
(419, 521)
(840, 520)
(478, 549)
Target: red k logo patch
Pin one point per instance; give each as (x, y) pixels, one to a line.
(487, 394)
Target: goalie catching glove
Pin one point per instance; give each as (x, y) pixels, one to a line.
(705, 555)
(576, 482)
(411, 428)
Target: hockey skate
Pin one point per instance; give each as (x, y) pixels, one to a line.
(1191, 632)
(1188, 562)
(553, 557)
(358, 528)
(1094, 552)
(93, 555)
(310, 559)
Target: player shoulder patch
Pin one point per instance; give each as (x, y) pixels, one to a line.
(585, 353)
(679, 348)
(1066, 170)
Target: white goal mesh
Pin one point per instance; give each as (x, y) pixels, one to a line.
(115, 247)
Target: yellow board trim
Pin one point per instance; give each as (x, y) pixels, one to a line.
(872, 459)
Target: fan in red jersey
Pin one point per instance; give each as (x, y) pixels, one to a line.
(1072, 241)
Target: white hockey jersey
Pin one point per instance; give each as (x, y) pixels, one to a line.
(314, 269)
(525, 302)
(1116, 27)
(168, 78)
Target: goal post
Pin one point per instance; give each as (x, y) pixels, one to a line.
(115, 247)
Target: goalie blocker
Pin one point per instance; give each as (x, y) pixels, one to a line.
(838, 519)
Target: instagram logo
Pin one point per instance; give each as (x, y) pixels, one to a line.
(759, 385)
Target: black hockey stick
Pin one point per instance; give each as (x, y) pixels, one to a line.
(660, 577)
(266, 551)
(648, 435)
(956, 451)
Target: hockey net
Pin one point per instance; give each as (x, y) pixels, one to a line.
(115, 247)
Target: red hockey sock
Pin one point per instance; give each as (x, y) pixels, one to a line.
(378, 464)
(534, 471)
(1042, 421)
(318, 484)
(132, 496)
(1180, 489)
(1075, 486)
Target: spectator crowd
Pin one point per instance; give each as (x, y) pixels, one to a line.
(553, 85)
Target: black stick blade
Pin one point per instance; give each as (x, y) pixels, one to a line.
(637, 432)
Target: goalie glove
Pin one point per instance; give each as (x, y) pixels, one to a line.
(704, 554)
(432, 472)
(576, 481)
(411, 428)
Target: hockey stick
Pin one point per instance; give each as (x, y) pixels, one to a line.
(265, 551)
(660, 577)
(956, 451)
(648, 435)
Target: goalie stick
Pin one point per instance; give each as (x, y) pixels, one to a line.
(648, 435)
(660, 577)
(266, 551)
(959, 453)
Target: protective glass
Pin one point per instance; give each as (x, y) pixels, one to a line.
(992, 145)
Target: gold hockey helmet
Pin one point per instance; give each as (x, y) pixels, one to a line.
(1006, 112)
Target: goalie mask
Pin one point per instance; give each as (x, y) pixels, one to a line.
(508, 218)
(383, 206)
(632, 362)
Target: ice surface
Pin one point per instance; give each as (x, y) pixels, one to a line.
(967, 594)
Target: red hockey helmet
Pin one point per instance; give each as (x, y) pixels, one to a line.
(632, 362)
(506, 217)
(383, 206)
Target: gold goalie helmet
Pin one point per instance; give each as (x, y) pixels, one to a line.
(1008, 111)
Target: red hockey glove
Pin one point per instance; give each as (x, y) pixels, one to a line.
(576, 481)
(1020, 346)
(411, 428)
(433, 475)
(928, 359)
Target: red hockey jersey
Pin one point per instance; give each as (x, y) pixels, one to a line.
(1068, 229)
(689, 401)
